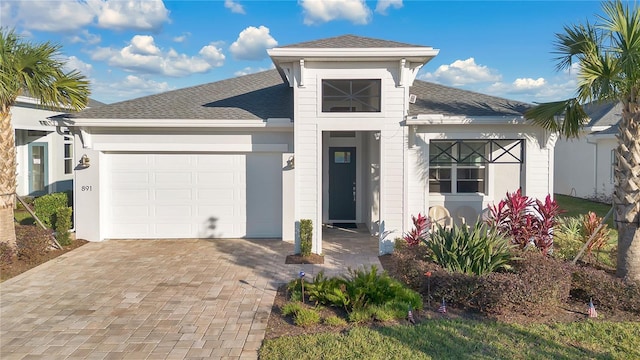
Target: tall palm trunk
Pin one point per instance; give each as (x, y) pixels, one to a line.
(626, 197)
(7, 179)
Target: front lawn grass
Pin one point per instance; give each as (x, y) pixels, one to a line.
(465, 339)
(574, 206)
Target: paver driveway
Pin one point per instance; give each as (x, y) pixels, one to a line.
(145, 299)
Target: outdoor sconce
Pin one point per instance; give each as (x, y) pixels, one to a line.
(291, 162)
(376, 135)
(85, 162)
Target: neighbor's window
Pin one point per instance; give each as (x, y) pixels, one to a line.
(457, 167)
(68, 153)
(361, 95)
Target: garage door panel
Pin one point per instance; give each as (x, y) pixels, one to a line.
(130, 211)
(172, 196)
(194, 195)
(214, 195)
(170, 212)
(130, 177)
(176, 179)
(126, 196)
(131, 161)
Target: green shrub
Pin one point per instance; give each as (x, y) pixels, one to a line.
(359, 316)
(471, 251)
(328, 291)
(334, 320)
(291, 308)
(365, 288)
(47, 205)
(306, 236)
(63, 225)
(32, 242)
(306, 317)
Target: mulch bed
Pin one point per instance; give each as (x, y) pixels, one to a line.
(18, 266)
(571, 311)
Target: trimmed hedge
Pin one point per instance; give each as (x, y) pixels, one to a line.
(63, 225)
(306, 236)
(47, 205)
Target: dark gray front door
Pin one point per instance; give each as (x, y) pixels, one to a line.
(342, 183)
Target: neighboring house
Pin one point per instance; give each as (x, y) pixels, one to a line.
(340, 131)
(44, 156)
(584, 166)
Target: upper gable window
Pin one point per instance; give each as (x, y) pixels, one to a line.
(361, 95)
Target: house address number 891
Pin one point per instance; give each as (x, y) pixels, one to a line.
(86, 188)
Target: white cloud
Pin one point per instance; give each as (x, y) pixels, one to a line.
(320, 11)
(181, 38)
(383, 5)
(462, 72)
(70, 15)
(144, 56)
(53, 15)
(128, 88)
(251, 70)
(234, 6)
(252, 43)
(535, 90)
(143, 45)
(133, 15)
(85, 37)
(73, 63)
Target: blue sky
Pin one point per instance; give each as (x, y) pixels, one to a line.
(130, 49)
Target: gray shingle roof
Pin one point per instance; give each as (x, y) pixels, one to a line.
(350, 41)
(603, 113)
(439, 99)
(261, 95)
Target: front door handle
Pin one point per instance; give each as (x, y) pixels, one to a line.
(354, 193)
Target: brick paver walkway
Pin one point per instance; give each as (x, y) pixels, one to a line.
(157, 299)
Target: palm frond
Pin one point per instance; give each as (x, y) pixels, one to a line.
(577, 41)
(566, 117)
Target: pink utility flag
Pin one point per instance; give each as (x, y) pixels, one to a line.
(410, 316)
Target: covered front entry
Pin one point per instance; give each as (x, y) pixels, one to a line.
(187, 195)
(350, 179)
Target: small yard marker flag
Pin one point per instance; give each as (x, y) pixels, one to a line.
(410, 316)
(592, 310)
(443, 307)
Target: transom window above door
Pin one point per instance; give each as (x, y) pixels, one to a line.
(358, 95)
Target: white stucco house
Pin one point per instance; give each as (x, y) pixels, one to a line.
(44, 155)
(584, 166)
(339, 131)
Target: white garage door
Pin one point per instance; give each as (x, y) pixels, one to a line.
(194, 195)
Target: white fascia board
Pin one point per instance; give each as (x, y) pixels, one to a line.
(180, 123)
(421, 54)
(37, 102)
(440, 119)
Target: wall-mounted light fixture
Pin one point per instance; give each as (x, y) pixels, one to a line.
(376, 135)
(85, 162)
(291, 162)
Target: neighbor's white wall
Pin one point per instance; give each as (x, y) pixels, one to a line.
(575, 167)
(604, 181)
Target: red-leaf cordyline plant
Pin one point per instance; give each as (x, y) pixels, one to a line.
(421, 225)
(525, 220)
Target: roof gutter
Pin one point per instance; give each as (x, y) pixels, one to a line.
(441, 119)
(173, 123)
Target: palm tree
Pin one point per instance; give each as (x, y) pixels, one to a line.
(36, 70)
(607, 55)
